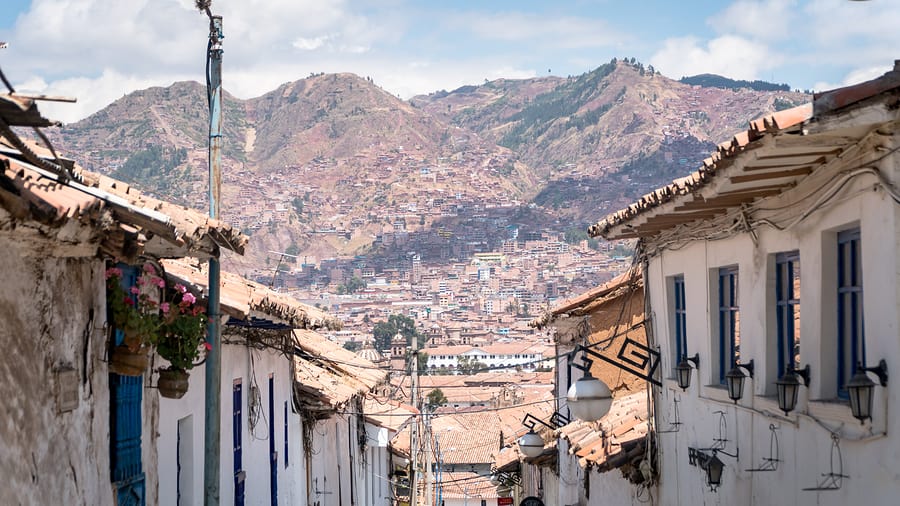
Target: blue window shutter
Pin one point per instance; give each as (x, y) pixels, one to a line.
(126, 397)
(851, 328)
(787, 308)
(729, 333)
(285, 434)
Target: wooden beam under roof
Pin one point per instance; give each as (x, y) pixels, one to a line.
(826, 151)
(811, 161)
(683, 217)
(729, 200)
(760, 176)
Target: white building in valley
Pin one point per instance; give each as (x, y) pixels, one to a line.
(503, 356)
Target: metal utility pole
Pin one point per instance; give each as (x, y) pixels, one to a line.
(428, 480)
(414, 429)
(213, 419)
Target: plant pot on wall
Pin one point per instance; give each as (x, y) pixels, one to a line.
(126, 361)
(172, 383)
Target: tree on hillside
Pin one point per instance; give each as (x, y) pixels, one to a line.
(383, 332)
(469, 365)
(435, 399)
(352, 286)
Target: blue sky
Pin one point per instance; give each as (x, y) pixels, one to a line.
(99, 50)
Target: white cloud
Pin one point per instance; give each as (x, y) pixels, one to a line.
(731, 56)
(772, 19)
(92, 94)
(854, 77)
(307, 44)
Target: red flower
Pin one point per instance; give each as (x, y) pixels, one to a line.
(207, 346)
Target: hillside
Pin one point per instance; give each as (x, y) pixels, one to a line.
(323, 165)
(334, 165)
(585, 129)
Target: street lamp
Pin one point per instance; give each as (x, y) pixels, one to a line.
(683, 370)
(531, 444)
(734, 380)
(589, 398)
(708, 462)
(788, 386)
(861, 387)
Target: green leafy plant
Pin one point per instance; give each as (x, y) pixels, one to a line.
(149, 315)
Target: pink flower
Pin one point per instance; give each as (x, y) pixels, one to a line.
(159, 282)
(135, 290)
(207, 346)
(113, 271)
(164, 307)
(149, 268)
(188, 298)
(181, 288)
(141, 281)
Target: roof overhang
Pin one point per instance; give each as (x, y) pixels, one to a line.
(771, 157)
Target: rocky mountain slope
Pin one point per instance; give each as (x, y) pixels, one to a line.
(327, 164)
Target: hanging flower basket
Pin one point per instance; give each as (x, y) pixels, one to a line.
(172, 383)
(125, 361)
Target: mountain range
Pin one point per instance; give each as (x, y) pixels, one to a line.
(326, 165)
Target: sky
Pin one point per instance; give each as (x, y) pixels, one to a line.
(100, 50)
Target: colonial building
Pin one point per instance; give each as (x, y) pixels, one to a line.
(780, 253)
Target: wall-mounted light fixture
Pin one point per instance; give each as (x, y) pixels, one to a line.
(710, 463)
(589, 399)
(861, 387)
(683, 370)
(734, 379)
(503, 478)
(788, 386)
(532, 444)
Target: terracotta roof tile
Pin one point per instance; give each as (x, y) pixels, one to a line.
(107, 206)
(244, 299)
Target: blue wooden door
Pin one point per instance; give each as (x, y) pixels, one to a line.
(236, 432)
(125, 398)
(273, 455)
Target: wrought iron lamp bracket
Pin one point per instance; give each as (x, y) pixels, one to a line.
(633, 357)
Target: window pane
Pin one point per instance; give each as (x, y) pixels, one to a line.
(851, 328)
(787, 306)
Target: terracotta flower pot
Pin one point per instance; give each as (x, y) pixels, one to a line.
(127, 362)
(172, 383)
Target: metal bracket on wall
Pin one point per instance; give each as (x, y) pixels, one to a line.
(832, 480)
(634, 357)
(770, 463)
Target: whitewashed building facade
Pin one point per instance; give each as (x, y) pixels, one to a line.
(782, 250)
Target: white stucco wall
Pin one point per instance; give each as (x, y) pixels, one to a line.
(870, 452)
(52, 318)
(236, 364)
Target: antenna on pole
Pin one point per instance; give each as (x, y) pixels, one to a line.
(278, 265)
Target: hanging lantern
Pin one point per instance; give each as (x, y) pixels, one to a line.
(683, 370)
(788, 386)
(714, 468)
(531, 444)
(861, 390)
(589, 399)
(734, 380)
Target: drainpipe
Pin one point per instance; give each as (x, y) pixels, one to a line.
(213, 420)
